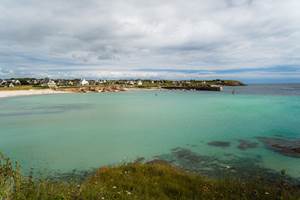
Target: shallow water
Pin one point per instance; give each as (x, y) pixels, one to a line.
(82, 131)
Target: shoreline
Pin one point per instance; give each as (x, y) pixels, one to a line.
(48, 91)
(31, 92)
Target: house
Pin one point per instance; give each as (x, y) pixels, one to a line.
(60, 82)
(83, 82)
(51, 84)
(16, 82)
(11, 85)
(102, 81)
(139, 83)
(3, 83)
(70, 83)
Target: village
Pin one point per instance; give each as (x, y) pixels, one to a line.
(85, 85)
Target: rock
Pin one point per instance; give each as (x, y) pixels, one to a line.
(285, 147)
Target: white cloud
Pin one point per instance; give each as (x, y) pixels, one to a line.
(117, 34)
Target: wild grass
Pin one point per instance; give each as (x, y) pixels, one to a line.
(150, 181)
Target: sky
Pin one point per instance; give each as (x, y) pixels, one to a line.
(248, 40)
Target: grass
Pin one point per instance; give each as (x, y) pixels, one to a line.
(139, 181)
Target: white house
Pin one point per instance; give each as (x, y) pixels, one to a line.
(70, 83)
(3, 83)
(139, 83)
(102, 81)
(51, 84)
(16, 82)
(11, 85)
(84, 82)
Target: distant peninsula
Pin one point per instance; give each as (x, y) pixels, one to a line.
(91, 85)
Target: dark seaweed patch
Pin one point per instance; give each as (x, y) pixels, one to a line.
(231, 166)
(246, 144)
(285, 147)
(222, 144)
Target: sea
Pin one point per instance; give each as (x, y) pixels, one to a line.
(219, 134)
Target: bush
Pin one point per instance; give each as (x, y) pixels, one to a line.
(156, 180)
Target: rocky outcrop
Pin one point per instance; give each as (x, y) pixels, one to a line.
(95, 89)
(285, 147)
(197, 88)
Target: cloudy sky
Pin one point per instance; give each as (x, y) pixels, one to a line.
(250, 40)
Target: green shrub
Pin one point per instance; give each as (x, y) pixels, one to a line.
(150, 181)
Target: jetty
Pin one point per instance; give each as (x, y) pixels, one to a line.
(217, 88)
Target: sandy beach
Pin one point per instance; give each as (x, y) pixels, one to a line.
(14, 93)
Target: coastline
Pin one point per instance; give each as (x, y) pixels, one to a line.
(31, 92)
(87, 89)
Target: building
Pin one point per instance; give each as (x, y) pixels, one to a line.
(51, 84)
(84, 82)
(16, 82)
(102, 81)
(70, 83)
(3, 83)
(139, 83)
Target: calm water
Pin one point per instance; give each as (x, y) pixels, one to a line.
(83, 131)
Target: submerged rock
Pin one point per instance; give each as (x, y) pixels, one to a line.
(187, 155)
(246, 144)
(285, 147)
(219, 143)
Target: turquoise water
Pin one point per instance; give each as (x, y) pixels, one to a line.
(82, 131)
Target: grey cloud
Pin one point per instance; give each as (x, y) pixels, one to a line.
(203, 34)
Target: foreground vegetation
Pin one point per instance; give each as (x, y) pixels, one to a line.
(156, 180)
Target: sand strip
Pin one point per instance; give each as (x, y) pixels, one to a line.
(14, 93)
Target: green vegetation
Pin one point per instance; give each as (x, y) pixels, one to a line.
(156, 180)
